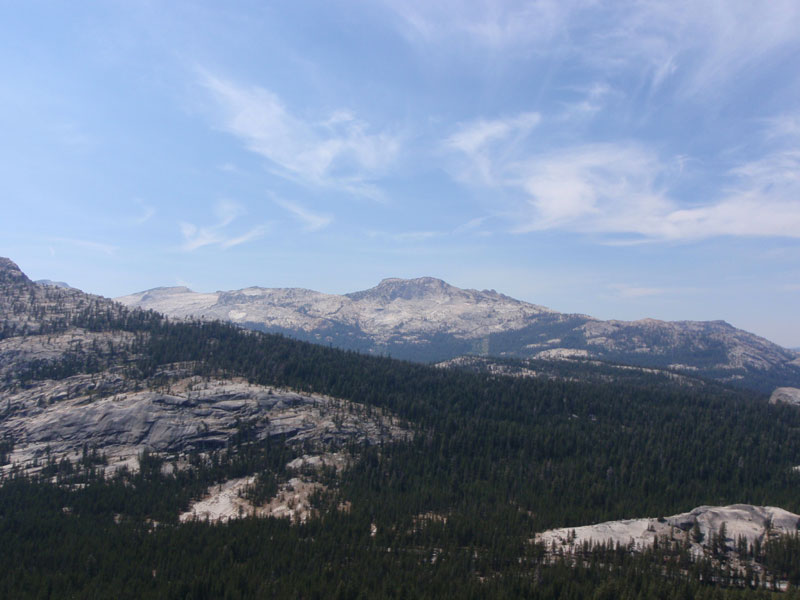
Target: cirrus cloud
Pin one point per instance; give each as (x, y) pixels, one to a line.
(226, 212)
(623, 188)
(700, 47)
(336, 151)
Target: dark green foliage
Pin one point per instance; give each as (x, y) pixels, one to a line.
(782, 556)
(492, 461)
(6, 446)
(55, 546)
(570, 452)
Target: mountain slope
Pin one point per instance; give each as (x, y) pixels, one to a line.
(28, 308)
(77, 372)
(427, 319)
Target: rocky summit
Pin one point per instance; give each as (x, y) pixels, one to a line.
(427, 319)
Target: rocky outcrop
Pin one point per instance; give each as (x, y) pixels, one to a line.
(785, 395)
(740, 520)
(105, 411)
(228, 501)
(72, 391)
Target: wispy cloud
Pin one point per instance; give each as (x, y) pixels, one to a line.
(623, 189)
(487, 23)
(615, 190)
(249, 236)
(471, 226)
(311, 220)
(478, 141)
(338, 150)
(720, 40)
(592, 100)
(596, 188)
(698, 45)
(196, 237)
(226, 212)
(783, 126)
(473, 137)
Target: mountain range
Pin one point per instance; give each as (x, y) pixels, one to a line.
(428, 320)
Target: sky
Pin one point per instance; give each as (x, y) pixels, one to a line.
(623, 159)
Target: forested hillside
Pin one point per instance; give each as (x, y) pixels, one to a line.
(450, 510)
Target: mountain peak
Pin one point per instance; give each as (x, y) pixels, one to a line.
(394, 288)
(11, 273)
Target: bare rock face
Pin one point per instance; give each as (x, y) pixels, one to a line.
(740, 520)
(227, 501)
(424, 319)
(105, 411)
(785, 395)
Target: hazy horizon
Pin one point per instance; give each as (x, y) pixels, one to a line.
(622, 160)
(214, 290)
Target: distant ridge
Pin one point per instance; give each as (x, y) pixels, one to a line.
(428, 320)
(58, 284)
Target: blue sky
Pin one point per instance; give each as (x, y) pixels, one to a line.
(620, 159)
